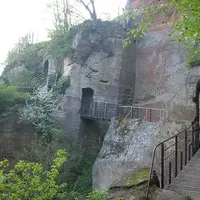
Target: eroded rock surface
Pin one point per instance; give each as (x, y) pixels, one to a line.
(14, 136)
(126, 153)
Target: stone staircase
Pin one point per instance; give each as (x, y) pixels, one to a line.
(40, 81)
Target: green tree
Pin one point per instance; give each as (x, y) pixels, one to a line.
(26, 52)
(22, 78)
(10, 96)
(40, 110)
(29, 180)
(89, 6)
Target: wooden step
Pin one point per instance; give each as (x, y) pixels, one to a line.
(188, 180)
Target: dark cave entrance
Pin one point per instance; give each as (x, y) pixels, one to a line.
(46, 68)
(87, 102)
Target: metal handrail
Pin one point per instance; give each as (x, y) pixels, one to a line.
(148, 111)
(161, 144)
(125, 112)
(148, 108)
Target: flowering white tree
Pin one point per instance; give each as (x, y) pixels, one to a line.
(40, 111)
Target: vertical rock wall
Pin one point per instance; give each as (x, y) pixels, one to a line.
(162, 78)
(100, 63)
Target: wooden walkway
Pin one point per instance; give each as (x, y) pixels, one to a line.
(188, 180)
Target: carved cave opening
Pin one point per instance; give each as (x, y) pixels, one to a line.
(87, 101)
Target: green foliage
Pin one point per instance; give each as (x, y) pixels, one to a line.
(9, 96)
(38, 152)
(40, 110)
(183, 15)
(193, 60)
(78, 171)
(61, 86)
(98, 195)
(22, 78)
(26, 52)
(60, 45)
(32, 181)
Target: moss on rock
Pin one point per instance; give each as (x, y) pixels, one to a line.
(138, 177)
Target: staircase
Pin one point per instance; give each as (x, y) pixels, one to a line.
(176, 161)
(188, 181)
(40, 81)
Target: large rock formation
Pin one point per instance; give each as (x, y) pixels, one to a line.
(162, 80)
(100, 66)
(126, 153)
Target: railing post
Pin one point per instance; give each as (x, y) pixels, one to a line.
(105, 107)
(91, 111)
(193, 145)
(176, 156)
(160, 115)
(186, 147)
(162, 166)
(150, 111)
(190, 152)
(132, 113)
(196, 136)
(170, 172)
(181, 162)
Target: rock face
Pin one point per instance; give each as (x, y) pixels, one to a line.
(14, 136)
(100, 65)
(162, 78)
(170, 195)
(134, 4)
(126, 153)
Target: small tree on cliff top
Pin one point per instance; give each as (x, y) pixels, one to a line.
(89, 5)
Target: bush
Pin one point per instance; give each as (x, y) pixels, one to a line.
(38, 152)
(22, 79)
(62, 85)
(98, 195)
(60, 45)
(10, 96)
(26, 52)
(40, 111)
(193, 60)
(32, 181)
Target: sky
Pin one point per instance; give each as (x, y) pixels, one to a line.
(18, 17)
